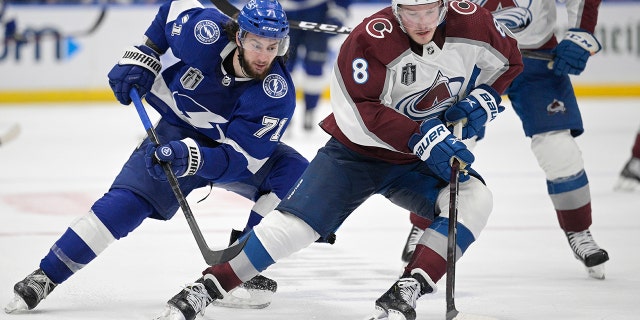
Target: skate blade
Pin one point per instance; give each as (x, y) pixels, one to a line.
(16, 304)
(470, 316)
(170, 313)
(627, 185)
(241, 298)
(596, 272)
(379, 314)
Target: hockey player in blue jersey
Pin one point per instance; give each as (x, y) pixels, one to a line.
(227, 98)
(309, 51)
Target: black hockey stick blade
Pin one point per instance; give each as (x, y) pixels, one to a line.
(211, 257)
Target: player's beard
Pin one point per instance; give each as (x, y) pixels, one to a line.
(249, 71)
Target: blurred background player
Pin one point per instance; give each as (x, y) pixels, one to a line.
(629, 179)
(544, 99)
(224, 101)
(310, 50)
(400, 75)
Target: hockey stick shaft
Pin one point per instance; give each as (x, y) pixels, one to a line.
(452, 312)
(211, 257)
(231, 11)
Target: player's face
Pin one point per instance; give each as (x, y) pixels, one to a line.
(259, 53)
(420, 21)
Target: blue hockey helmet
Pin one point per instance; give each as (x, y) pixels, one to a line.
(265, 18)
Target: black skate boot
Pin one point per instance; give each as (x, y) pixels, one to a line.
(586, 250)
(193, 299)
(30, 291)
(399, 302)
(629, 179)
(410, 245)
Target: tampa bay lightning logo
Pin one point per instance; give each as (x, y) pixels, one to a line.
(207, 32)
(275, 86)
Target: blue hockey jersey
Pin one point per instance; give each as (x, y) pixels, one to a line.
(243, 117)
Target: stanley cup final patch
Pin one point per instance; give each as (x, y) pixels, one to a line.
(275, 86)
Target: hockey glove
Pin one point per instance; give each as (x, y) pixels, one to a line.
(184, 156)
(436, 146)
(137, 68)
(476, 110)
(572, 52)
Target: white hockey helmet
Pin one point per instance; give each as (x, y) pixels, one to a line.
(395, 3)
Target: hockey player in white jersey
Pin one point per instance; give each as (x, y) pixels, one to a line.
(225, 101)
(400, 77)
(544, 99)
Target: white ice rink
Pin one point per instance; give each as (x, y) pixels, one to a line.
(520, 268)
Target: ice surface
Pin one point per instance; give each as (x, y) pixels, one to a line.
(520, 268)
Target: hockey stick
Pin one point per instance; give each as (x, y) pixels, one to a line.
(231, 11)
(8, 132)
(211, 257)
(452, 312)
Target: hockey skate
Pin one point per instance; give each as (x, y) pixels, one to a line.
(192, 300)
(30, 291)
(586, 250)
(629, 179)
(399, 302)
(253, 294)
(410, 245)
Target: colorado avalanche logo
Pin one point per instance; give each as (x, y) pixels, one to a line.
(432, 100)
(275, 86)
(378, 26)
(207, 32)
(556, 107)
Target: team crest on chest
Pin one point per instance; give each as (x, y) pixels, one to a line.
(275, 86)
(191, 79)
(206, 32)
(408, 74)
(432, 100)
